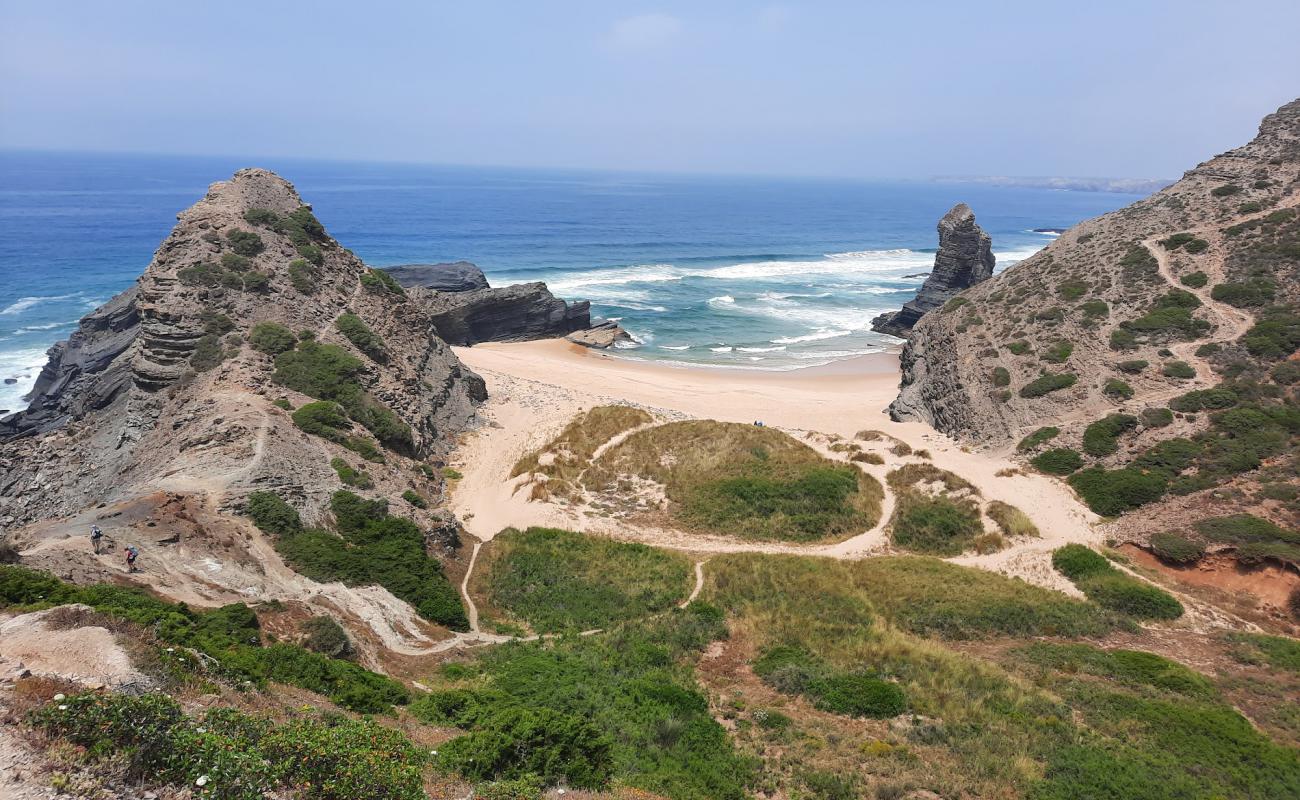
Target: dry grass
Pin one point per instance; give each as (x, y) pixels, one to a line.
(907, 477)
(1010, 519)
(564, 458)
(736, 479)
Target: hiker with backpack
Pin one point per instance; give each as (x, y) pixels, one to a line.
(132, 553)
(95, 536)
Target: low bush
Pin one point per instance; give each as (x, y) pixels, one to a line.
(245, 243)
(1046, 384)
(1219, 397)
(413, 497)
(325, 636)
(304, 276)
(1178, 369)
(272, 338)
(1226, 190)
(1195, 280)
(272, 514)
(1274, 336)
(1011, 520)
(1176, 549)
(1112, 589)
(1132, 367)
(1058, 352)
(1018, 348)
(1095, 309)
(515, 742)
(1038, 438)
(1117, 389)
(350, 476)
(380, 282)
(1253, 293)
(1255, 539)
(364, 339)
(1287, 373)
(557, 580)
(1112, 492)
(327, 420)
(791, 670)
(1001, 377)
(1121, 339)
(934, 525)
(1058, 461)
(1101, 438)
(1128, 667)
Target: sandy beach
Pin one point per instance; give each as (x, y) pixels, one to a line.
(535, 389)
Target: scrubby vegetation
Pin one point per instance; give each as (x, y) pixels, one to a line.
(1169, 317)
(1047, 383)
(1178, 369)
(582, 711)
(1118, 389)
(1010, 519)
(328, 372)
(1175, 549)
(380, 282)
(743, 480)
(230, 755)
(272, 338)
(935, 525)
(1112, 589)
(1253, 538)
(229, 635)
(350, 476)
(364, 339)
(1112, 492)
(371, 548)
(1194, 280)
(569, 454)
(1058, 461)
(1133, 366)
(792, 670)
(1101, 438)
(1039, 437)
(557, 580)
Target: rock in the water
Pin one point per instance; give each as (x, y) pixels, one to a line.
(965, 258)
(457, 276)
(511, 314)
(601, 335)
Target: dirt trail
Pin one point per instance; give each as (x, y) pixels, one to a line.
(699, 585)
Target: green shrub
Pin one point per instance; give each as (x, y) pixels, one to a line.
(1219, 397)
(357, 479)
(413, 497)
(1101, 438)
(1196, 280)
(1118, 389)
(1286, 373)
(1178, 369)
(859, 695)
(325, 636)
(1059, 461)
(1156, 418)
(1058, 352)
(245, 243)
(1072, 289)
(1121, 339)
(1226, 190)
(1169, 457)
(1110, 588)
(207, 353)
(271, 514)
(1253, 293)
(1001, 377)
(1208, 349)
(380, 282)
(517, 741)
(1018, 348)
(1128, 667)
(303, 275)
(1046, 384)
(376, 548)
(1095, 309)
(1252, 206)
(1255, 539)
(1112, 492)
(557, 580)
(365, 340)
(1275, 335)
(201, 274)
(261, 217)
(1132, 367)
(934, 525)
(1176, 241)
(346, 760)
(1037, 438)
(329, 372)
(1176, 549)
(272, 338)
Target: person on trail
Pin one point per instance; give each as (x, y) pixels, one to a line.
(95, 536)
(132, 553)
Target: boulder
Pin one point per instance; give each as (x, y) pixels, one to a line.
(965, 258)
(601, 335)
(456, 276)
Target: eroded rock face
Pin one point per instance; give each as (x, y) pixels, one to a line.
(510, 314)
(965, 258)
(601, 335)
(456, 276)
(161, 389)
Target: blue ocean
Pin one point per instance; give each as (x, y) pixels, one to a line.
(758, 273)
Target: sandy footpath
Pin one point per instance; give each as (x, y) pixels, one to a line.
(535, 389)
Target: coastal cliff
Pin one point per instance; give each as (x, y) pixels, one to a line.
(965, 258)
(177, 375)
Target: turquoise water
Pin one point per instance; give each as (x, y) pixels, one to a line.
(739, 272)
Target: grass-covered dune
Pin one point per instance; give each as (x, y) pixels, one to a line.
(557, 580)
(742, 480)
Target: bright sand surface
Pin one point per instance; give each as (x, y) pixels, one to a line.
(536, 388)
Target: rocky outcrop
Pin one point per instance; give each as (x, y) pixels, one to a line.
(456, 276)
(965, 258)
(162, 388)
(510, 314)
(84, 372)
(601, 335)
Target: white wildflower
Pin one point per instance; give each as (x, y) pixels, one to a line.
(202, 781)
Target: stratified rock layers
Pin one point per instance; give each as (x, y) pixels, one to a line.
(965, 258)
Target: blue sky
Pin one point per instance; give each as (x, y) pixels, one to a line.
(872, 89)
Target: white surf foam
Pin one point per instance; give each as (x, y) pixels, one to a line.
(23, 303)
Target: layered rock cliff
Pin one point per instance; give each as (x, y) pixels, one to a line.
(455, 276)
(169, 386)
(510, 314)
(965, 258)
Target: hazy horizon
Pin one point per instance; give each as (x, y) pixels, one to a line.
(824, 90)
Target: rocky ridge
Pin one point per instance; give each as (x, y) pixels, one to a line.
(964, 259)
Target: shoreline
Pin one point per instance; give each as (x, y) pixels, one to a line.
(536, 388)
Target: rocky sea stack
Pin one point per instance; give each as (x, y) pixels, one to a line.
(965, 258)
